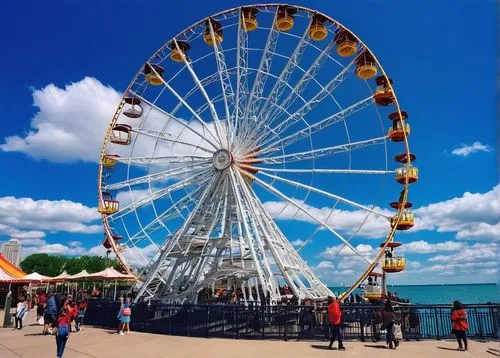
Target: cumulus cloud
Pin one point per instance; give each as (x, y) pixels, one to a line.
(478, 253)
(424, 247)
(297, 242)
(340, 250)
(25, 218)
(473, 215)
(20, 234)
(346, 221)
(70, 123)
(464, 150)
(324, 265)
(73, 248)
(136, 256)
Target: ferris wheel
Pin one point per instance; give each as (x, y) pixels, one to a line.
(253, 141)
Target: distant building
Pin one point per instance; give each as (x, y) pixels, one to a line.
(11, 250)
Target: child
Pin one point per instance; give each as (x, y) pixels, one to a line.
(21, 311)
(62, 333)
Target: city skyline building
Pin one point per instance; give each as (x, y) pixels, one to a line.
(11, 250)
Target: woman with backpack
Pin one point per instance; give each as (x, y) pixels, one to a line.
(460, 325)
(126, 312)
(62, 332)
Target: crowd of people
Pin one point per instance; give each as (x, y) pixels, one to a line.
(61, 315)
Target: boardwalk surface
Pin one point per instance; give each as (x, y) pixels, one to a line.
(93, 342)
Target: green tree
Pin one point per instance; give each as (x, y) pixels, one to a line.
(53, 265)
(49, 265)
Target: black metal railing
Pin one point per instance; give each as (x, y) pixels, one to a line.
(291, 322)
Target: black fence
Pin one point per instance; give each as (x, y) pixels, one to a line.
(291, 322)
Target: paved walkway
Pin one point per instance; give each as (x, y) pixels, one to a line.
(93, 342)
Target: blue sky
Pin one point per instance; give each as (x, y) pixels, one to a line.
(441, 55)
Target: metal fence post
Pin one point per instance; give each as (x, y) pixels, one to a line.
(437, 324)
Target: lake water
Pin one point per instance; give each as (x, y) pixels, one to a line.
(443, 294)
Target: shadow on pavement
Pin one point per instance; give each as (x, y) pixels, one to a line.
(317, 346)
(447, 349)
(376, 346)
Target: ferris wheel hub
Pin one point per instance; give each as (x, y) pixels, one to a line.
(222, 159)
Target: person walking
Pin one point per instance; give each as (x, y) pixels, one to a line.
(126, 312)
(335, 320)
(82, 308)
(21, 311)
(50, 314)
(62, 333)
(460, 324)
(388, 321)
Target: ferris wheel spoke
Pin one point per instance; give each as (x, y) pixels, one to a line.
(180, 99)
(175, 159)
(300, 207)
(162, 175)
(313, 102)
(303, 82)
(161, 193)
(320, 171)
(260, 76)
(241, 75)
(325, 193)
(197, 81)
(177, 120)
(225, 80)
(320, 125)
(171, 213)
(322, 152)
(164, 136)
(279, 86)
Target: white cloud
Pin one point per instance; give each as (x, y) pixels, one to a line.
(340, 220)
(41, 246)
(297, 242)
(70, 123)
(25, 218)
(20, 234)
(424, 247)
(475, 147)
(478, 252)
(473, 215)
(324, 265)
(137, 257)
(340, 250)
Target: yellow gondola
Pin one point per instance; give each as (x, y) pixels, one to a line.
(249, 21)
(284, 18)
(346, 43)
(217, 28)
(154, 74)
(317, 31)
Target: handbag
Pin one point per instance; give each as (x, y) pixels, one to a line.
(396, 331)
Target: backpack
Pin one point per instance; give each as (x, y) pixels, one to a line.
(127, 311)
(63, 330)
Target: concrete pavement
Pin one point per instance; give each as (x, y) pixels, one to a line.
(93, 342)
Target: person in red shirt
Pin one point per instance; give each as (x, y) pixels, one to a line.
(460, 325)
(335, 320)
(62, 333)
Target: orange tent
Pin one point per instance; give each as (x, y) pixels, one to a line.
(10, 269)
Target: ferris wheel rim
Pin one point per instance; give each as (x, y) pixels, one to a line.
(309, 11)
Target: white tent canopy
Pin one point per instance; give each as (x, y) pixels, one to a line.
(79, 276)
(35, 276)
